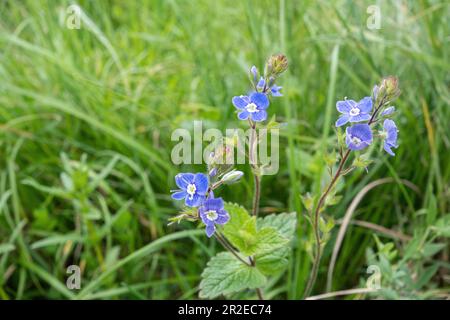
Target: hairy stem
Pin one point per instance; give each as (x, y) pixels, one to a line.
(256, 195)
(253, 147)
(318, 254)
(224, 243)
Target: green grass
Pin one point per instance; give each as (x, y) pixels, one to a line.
(114, 91)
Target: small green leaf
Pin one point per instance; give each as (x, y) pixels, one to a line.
(225, 274)
(308, 201)
(442, 226)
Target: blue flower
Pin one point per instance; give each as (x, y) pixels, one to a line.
(353, 112)
(212, 213)
(275, 91)
(388, 111)
(254, 106)
(390, 133)
(358, 136)
(193, 188)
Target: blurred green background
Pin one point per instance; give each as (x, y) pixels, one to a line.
(86, 117)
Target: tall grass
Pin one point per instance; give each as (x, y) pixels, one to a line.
(99, 104)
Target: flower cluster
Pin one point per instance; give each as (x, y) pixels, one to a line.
(254, 105)
(196, 190)
(359, 136)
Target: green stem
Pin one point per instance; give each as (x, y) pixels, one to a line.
(317, 257)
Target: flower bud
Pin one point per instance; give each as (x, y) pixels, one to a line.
(388, 89)
(232, 177)
(276, 65)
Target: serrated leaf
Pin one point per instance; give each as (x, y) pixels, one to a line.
(225, 274)
(284, 222)
(276, 260)
(273, 262)
(268, 239)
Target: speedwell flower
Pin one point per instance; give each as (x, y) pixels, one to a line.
(212, 213)
(358, 136)
(390, 133)
(275, 91)
(193, 188)
(353, 112)
(254, 106)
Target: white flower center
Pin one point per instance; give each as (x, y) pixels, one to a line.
(354, 112)
(251, 107)
(356, 141)
(191, 188)
(211, 215)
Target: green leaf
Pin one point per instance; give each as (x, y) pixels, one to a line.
(276, 260)
(267, 240)
(284, 222)
(241, 229)
(225, 274)
(442, 226)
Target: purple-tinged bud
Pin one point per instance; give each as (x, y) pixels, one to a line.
(232, 177)
(388, 111)
(276, 65)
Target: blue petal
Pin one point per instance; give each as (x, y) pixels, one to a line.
(365, 105)
(360, 117)
(391, 130)
(202, 213)
(201, 183)
(179, 195)
(260, 99)
(195, 201)
(214, 204)
(259, 116)
(362, 131)
(387, 148)
(345, 106)
(183, 179)
(222, 218)
(243, 115)
(275, 91)
(239, 102)
(210, 229)
(342, 120)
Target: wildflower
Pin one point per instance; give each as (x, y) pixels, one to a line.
(358, 136)
(193, 188)
(254, 106)
(212, 212)
(275, 91)
(353, 112)
(388, 111)
(390, 133)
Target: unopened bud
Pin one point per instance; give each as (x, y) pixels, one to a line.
(276, 65)
(232, 177)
